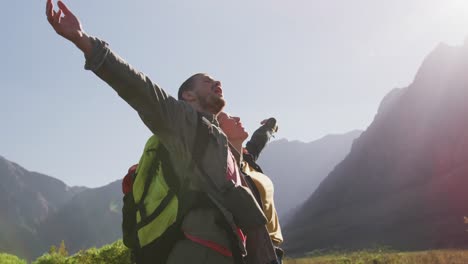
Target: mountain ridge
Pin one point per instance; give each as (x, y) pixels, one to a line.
(401, 183)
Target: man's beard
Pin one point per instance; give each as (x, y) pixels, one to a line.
(212, 103)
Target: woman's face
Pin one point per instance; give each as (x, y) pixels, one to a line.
(232, 127)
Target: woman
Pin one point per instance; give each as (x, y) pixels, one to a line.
(260, 184)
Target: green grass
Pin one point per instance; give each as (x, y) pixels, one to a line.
(387, 257)
(117, 253)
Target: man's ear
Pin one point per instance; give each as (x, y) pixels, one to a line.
(188, 96)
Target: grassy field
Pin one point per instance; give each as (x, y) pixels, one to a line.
(387, 257)
(117, 253)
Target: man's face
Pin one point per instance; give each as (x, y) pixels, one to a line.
(209, 93)
(232, 127)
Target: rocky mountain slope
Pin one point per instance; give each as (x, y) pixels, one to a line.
(404, 182)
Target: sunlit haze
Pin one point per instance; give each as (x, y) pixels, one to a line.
(319, 67)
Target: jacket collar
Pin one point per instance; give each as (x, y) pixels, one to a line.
(211, 118)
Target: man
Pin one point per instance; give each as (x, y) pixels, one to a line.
(208, 231)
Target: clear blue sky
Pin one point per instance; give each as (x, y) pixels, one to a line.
(320, 67)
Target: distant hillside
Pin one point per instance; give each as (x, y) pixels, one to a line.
(91, 219)
(26, 200)
(297, 168)
(404, 182)
(37, 211)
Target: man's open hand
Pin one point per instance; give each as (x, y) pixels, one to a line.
(67, 25)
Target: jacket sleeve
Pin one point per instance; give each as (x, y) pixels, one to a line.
(162, 114)
(260, 138)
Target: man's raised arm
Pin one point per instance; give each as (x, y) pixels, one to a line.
(162, 114)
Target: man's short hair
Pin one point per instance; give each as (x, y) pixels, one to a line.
(187, 85)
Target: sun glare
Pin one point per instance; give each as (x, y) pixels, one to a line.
(450, 18)
(457, 12)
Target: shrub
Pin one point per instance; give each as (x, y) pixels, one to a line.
(10, 259)
(48, 258)
(115, 253)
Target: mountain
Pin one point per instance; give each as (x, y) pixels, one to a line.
(37, 211)
(297, 168)
(91, 218)
(27, 198)
(404, 182)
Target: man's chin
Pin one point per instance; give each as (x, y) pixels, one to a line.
(217, 105)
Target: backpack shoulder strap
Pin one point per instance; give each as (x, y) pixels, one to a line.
(148, 180)
(201, 142)
(168, 170)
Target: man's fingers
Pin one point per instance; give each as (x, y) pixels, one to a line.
(51, 17)
(64, 7)
(48, 7)
(49, 10)
(57, 16)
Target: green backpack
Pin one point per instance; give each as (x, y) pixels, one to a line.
(152, 209)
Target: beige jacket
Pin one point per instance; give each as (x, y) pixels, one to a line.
(266, 190)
